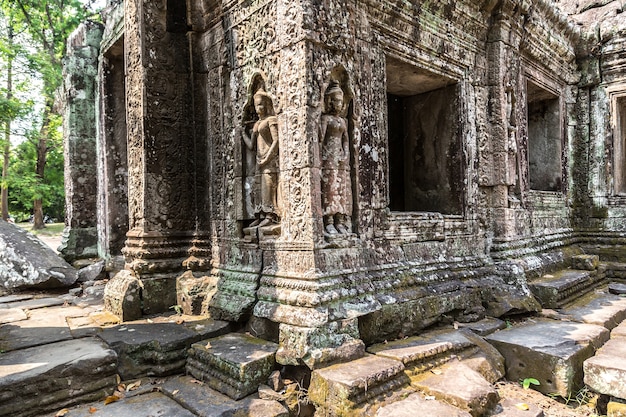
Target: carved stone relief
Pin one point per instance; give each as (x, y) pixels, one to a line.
(261, 168)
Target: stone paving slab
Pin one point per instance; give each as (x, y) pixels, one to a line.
(485, 326)
(9, 315)
(550, 351)
(206, 402)
(153, 404)
(416, 405)
(14, 297)
(148, 348)
(508, 407)
(457, 384)
(42, 327)
(603, 309)
(36, 303)
(48, 378)
(606, 371)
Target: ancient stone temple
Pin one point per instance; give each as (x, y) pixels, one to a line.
(334, 173)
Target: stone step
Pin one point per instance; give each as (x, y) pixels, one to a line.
(206, 402)
(435, 348)
(557, 289)
(234, 364)
(606, 371)
(550, 351)
(416, 404)
(159, 346)
(457, 384)
(598, 307)
(48, 378)
(341, 389)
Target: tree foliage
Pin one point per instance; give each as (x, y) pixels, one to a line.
(43, 26)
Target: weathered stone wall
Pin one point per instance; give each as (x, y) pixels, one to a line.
(340, 171)
(79, 91)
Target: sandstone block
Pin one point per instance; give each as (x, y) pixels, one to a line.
(234, 364)
(409, 408)
(616, 409)
(587, 262)
(606, 371)
(553, 289)
(459, 385)
(511, 407)
(550, 351)
(50, 377)
(605, 310)
(341, 388)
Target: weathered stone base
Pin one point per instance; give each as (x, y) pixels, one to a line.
(320, 346)
(550, 351)
(79, 243)
(235, 296)
(194, 292)
(37, 380)
(416, 403)
(157, 349)
(122, 296)
(556, 289)
(234, 364)
(340, 389)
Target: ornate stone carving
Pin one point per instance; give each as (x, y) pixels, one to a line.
(335, 163)
(261, 179)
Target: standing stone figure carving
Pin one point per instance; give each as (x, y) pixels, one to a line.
(335, 164)
(264, 138)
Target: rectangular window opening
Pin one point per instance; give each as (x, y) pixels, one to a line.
(425, 157)
(544, 139)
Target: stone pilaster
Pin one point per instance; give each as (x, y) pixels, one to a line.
(79, 80)
(160, 151)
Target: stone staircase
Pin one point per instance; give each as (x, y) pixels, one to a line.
(76, 355)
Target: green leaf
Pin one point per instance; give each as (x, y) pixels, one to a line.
(528, 381)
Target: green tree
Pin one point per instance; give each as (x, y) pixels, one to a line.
(48, 23)
(26, 186)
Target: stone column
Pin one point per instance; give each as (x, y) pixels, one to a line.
(160, 159)
(79, 80)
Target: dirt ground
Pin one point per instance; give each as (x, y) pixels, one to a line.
(582, 406)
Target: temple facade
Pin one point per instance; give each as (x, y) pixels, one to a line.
(334, 173)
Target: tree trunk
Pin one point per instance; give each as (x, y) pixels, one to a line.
(4, 195)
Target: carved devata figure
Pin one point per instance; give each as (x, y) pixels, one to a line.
(335, 163)
(263, 139)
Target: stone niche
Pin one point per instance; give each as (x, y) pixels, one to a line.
(425, 169)
(544, 138)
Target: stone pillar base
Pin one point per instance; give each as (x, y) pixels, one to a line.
(317, 347)
(79, 243)
(122, 296)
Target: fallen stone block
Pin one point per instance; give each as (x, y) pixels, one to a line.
(552, 352)
(234, 364)
(93, 272)
(415, 405)
(616, 409)
(47, 378)
(457, 384)
(340, 388)
(617, 288)
(157, 349)
(26, 262)
(606, 371)
(206, 402)
(587, 262)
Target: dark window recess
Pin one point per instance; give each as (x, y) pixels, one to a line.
(544, 139)
(619, 138)
(425, 164)
(177, 16)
